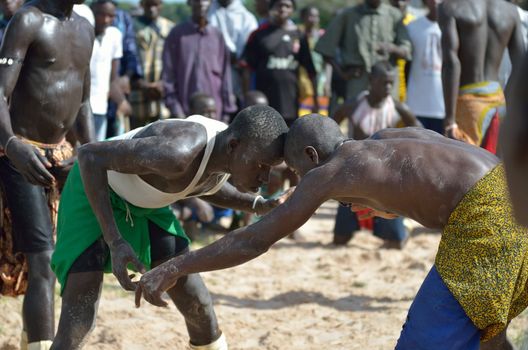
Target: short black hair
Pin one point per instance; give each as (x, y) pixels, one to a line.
(102, 2)
(196, 97)
(382, 68)
(272, 3)
(320, 132)
(306, 10)
(260, 124)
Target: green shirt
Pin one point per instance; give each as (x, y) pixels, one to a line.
(356, 32)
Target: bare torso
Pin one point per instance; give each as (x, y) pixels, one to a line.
(46, 99)
(417, 176)
(484, 30)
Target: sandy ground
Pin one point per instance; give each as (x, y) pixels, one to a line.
(297, 296)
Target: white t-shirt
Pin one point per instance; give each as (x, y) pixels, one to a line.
(106, 48)
(425, 96)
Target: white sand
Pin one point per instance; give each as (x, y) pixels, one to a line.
(297, 296)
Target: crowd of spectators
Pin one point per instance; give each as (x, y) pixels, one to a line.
(145, 67)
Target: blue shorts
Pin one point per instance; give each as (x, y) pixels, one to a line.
(436, 320)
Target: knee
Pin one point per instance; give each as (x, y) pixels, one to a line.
(39, 267)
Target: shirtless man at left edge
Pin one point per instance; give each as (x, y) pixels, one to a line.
(45, 85)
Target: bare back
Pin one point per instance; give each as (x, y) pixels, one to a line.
(409, 173)
(485, 29)
(50, 85)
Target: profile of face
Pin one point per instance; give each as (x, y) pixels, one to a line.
(104, 15)
(400, 4)
(9, 7)
(262, 7)
(311, 18)
(381, 85)
(151, 8)
(282, 10)
(250, 165)
(373, 3)
(205, 106)
(199, 8)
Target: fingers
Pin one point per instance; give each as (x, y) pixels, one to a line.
(138, 266)
(139, 291)
(153, 298)
(121, 274)
(39, 166)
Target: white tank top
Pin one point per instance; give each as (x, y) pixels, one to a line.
(136, 191)
(371, 120)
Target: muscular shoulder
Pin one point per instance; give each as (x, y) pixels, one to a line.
(183, 139)
(28, 18)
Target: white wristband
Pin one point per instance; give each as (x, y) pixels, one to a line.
(255, 201)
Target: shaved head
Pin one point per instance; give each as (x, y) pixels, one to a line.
(314, 130)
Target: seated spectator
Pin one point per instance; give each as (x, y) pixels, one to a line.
(196, 58)
(203, 104)
(373, 111)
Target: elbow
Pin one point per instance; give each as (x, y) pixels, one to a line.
(86, 156)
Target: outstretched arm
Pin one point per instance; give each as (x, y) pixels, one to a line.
(407, 116)
(241, 245)
(451, 67)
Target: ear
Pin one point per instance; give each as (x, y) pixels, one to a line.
(232, 144)
(312, 154)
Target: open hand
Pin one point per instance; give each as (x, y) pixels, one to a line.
(122, 254)
(30, 163)
(154, 283)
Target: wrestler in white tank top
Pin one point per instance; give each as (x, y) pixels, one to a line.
(371, 120)
(136, 191)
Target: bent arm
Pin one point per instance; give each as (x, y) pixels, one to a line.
(252, 241)
(407, 116)
(126, 156)
(451, 67)
(230, 197)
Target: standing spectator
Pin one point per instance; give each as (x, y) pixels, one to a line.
(196, 58)
(8, 7)
(85, 12)
(275, 52)
(104, 63)
(147, 93)
(129, 70)
(425, 96)
(365, 34)
(403, 6)
(310, 28)
(236, 23)
(262, 10)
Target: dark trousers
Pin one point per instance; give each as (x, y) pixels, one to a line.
(347, 223)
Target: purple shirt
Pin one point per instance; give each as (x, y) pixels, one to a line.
(196, 61)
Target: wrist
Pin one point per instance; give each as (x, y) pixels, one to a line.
(116, 242)
(257, 202)
(450, 126)
(9, 142)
